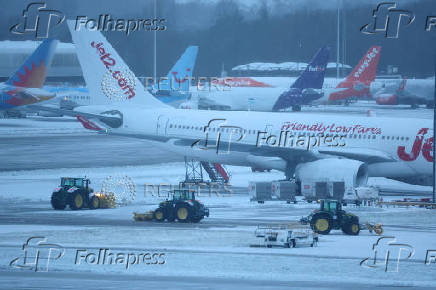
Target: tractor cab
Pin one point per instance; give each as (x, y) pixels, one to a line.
(332, 206)
(68, 182)
(183, 194)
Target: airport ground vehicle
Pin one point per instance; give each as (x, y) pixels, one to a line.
(287, 236)
(183, 207)
(285, 190)
(76, 193)
(260, 191)
(330, 216)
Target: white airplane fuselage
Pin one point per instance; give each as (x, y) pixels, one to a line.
(386, 135)
(263, 98)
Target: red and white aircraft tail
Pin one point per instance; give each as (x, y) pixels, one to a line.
(359, 80)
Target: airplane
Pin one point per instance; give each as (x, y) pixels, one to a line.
(170, 90)
(261, 97)
(306, 88)
(300, 145)
(24, 87)
(358, 83)
(67, 97)
(174, 89)
(413, 92)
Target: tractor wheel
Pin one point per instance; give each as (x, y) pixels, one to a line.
(351, 228)
(158, 215)
(293, 243)
(321, 224)
(95, 202)
(57, 201)
(171, 218)
(183, 214)
(196, 220)
(77, 201)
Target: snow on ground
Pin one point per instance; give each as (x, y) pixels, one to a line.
(40, 126)
(219, 246)
(224, 253)
(39, 184)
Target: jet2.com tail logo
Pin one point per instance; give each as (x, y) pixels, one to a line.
(38, 20)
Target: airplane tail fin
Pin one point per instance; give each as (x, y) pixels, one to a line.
(313, 75)
(365, 71)
(109, 79)
(311, 78)
(357, 84)
(33, 72)
(179, 77)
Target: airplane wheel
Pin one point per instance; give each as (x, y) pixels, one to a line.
(296, 108)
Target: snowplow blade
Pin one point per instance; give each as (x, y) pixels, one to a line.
(107, 200)
(377, 228)
(140, 217)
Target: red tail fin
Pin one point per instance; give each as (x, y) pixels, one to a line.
(365, 71)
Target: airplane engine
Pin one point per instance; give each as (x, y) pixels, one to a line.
(352, 172)
(386, 99)
(48, 114)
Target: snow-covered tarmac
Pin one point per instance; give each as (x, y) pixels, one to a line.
(213, 254)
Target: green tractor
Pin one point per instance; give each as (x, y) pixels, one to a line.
(76, 193)
(183, 207)
(330, 216)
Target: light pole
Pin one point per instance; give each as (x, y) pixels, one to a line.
(154, 50)
(434, 127)
(337, 43)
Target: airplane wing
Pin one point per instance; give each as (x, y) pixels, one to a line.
(362, 154)
(109, 119)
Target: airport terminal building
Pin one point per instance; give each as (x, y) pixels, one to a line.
(65, 67)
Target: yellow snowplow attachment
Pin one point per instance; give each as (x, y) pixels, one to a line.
(107, 200)
(140, 217)
(377, 228)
